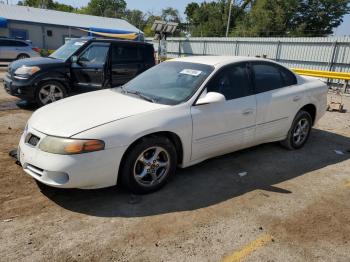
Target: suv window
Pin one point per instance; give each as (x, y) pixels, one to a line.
(125, 54)
(94, 55)
(147, 54)
(12, 43)
(232, 81)
(19, 43)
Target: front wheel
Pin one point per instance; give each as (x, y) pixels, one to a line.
(148, 165)
(49, 92)
(299, 131)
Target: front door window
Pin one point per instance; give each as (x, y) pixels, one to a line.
(94, 55)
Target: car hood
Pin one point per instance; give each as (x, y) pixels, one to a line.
(35, 61)
(74, 115)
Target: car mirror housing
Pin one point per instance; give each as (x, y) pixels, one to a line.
(74, 59)
(211, 98)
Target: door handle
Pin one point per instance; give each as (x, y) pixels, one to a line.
(248, 112)
(296, 98)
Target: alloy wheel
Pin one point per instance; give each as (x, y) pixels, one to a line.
(301, 131)
(151, 166)
(50, 93)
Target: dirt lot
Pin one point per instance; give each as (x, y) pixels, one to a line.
(291, 206)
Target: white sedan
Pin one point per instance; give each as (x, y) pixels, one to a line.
(178, 113)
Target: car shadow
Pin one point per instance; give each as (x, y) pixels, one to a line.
(213, 181)
(17, 104)
(26, 105)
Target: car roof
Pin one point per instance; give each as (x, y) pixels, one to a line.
(218, 60)
(117, 41)
(13, 39)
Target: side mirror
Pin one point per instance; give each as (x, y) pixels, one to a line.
(210, 98)
(74, 59)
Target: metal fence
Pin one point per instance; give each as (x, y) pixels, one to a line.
(319, 53)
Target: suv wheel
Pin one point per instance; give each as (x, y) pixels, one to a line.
(22, 56)
(299, 132)
(49, 92)
(148, 165)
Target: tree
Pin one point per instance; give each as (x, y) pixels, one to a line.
(319, 17)
(208, 18)
(171, 15)
(292, 18)
(49, 4)
(107, 8)
(147, 30)
(136, 18)
(267, 17)
(191, 8)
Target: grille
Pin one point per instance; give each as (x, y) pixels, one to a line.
(32, 139)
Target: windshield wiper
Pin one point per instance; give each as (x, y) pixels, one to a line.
(137, 93)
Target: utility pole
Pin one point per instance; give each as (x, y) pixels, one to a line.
(229, 18)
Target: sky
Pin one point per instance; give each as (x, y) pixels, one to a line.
(155, 6)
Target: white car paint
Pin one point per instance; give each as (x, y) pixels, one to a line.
(205, 130)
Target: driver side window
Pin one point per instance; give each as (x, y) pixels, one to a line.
(94, 55)
(232, 81)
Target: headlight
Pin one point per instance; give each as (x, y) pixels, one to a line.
(66, 146)
(26, 71)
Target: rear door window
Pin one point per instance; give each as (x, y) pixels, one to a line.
(147, 53)
(19, 43)
(288, 77)
(267, 77)
(126, 54)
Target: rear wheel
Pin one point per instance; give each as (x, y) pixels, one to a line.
(49, 92)
(299, 132)
(22, 56)
(148, 165)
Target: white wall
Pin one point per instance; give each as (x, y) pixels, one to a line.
(37, 33)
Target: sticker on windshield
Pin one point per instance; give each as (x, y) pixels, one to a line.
(191, 72)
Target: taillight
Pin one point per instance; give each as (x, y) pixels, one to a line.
(36, 49)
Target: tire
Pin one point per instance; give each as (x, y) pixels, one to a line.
(148, 165)
(49, 92)
(296, 139)
(22, 56)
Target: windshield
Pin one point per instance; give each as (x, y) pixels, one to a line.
(169, 82)
(68, 49)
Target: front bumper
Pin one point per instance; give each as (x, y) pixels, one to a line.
(19, 88)
(86, 171)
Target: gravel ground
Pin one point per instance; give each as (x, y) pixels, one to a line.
(291, 206)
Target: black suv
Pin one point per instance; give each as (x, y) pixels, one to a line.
(81, 65)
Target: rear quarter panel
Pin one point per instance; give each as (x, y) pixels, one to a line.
(316, 94)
